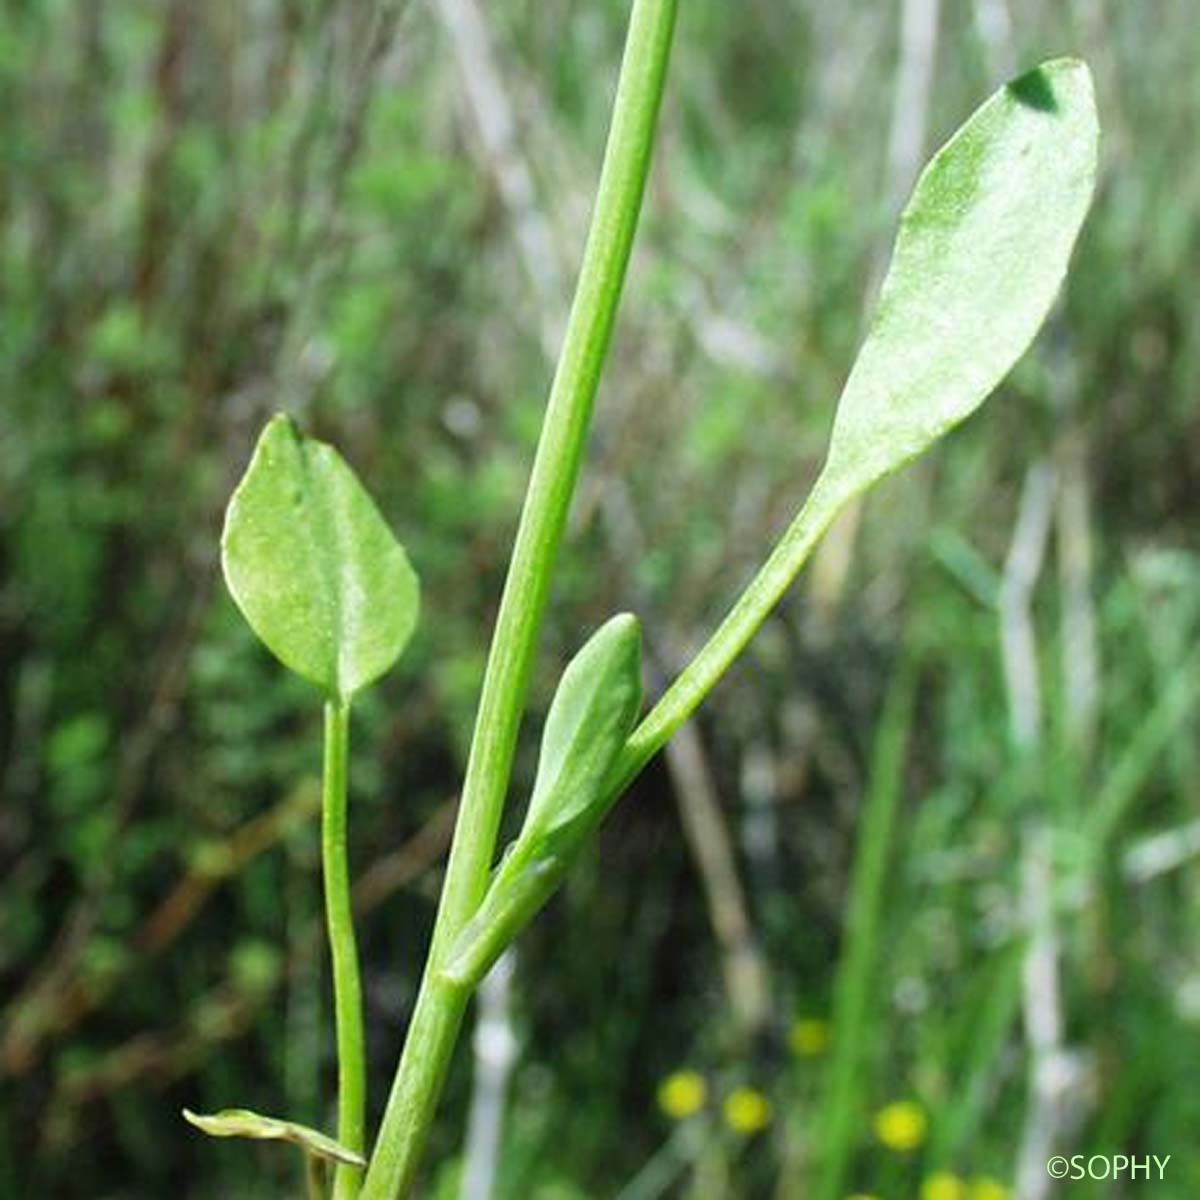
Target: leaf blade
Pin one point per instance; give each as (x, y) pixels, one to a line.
(314, 567)
(983, 247)
(594, 708)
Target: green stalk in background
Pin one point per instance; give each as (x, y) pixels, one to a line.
(983, 1038)
(347, 988)
(843, 1107)
(441, 1002)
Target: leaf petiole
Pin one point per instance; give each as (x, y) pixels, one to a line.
(347, 987)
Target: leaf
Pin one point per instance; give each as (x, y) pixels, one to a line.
(241, 1122)
(593, 711)
(313, 566)
(982, 250)
(595, 706)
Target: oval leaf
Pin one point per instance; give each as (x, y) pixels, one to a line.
(982, 249)
(313, 566)
(595, 706)
(241, 1122)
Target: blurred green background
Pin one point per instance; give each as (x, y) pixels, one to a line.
(916, 901)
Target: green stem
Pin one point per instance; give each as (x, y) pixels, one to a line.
(441, 1003)
(741, 623)
(347, 989)
(499, 928)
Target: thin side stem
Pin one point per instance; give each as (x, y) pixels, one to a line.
(347, 988)
(732, 636)
(440, 1004)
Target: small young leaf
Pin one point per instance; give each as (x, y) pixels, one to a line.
(982, 249)
(594, 708)
(313, 565)
(241, 1122)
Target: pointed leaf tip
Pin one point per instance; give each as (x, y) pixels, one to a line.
(982, 251)
(313, 565)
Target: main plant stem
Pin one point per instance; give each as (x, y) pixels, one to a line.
(440, 1004)
(347, 989)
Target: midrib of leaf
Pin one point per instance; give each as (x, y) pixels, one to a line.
(323, 540)
(349, 590)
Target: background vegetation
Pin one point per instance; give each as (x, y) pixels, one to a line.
(961, 761)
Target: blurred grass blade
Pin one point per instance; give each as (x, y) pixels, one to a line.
(847, 1082)
(982, 250)
(242, 1123)
(316, 1178)
(986, 1027)
(1128, 775)
(313, 565)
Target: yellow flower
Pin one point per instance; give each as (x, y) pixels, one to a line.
(682, 1094)
(901, 1126)
(809, 1037)
(943, 1186)
(985, 1188)
(747, 1111)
